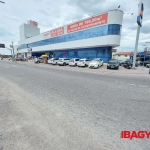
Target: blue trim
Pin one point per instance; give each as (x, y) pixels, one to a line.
(95, 52)
(111, 29)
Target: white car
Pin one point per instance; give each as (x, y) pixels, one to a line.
(148, 65)
(96, 63)
(63, 61)
(83, 62)
(73, 61)
(50, 60)
(55, 61)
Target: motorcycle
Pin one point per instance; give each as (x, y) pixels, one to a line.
(127, 65)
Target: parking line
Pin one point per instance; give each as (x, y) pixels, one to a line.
(15, 66)
(120, 82)
(131, 84)
(143, 86)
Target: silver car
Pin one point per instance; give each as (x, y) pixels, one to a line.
(73, 61)
(96, 63)
(39, 60)
(55, 61)
(63, 61)
(83, 62)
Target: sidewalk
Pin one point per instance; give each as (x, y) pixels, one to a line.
(138, 71)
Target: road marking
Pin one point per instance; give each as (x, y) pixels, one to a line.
(120, 82)
(6, 66)
(131, 84)
(15, 66)
(143, 86)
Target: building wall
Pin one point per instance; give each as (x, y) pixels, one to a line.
(96, 41)
(121, 57)
(28, 31)
(114, 17)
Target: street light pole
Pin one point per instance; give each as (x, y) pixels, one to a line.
(13, 50)
(139, 22)
(136, 46)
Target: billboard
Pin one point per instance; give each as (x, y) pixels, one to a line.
(57, 32)
(88, 23)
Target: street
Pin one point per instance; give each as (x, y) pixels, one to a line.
(52, 108)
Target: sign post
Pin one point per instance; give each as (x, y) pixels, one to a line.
(139, 22)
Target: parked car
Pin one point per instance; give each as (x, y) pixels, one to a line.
(148, 66)
(144, 63)
(131, 62)
(39, 60)
(18, 59)
(55, 61)
(73, 62)
(121, 62)
(96, 63)
(50, 60)
(83, 62)
(63, 61)
(113, 64)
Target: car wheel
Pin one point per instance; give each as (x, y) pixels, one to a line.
(107, 68)
(64, 64)
(117, 68)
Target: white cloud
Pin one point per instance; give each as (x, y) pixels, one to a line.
(51, 14)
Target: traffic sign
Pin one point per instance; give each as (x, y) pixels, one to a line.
(2, 45)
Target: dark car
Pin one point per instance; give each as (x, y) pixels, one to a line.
(113, 64)
(144, 63)
(131, 62)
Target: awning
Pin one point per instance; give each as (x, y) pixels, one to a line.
(44, 55)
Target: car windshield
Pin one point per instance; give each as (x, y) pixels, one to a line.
(94, 60)
(81, 60)
(71, 60)
(113, 61)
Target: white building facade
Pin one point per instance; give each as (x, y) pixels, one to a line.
(94, 37)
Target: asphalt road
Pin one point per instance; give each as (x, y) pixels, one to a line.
(103, 105)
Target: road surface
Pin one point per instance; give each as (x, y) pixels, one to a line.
(48, 108)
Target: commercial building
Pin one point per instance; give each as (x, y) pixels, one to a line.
(93, 37)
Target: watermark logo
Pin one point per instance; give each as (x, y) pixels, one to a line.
(135, 134)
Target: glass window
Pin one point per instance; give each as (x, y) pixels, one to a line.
(111, 29)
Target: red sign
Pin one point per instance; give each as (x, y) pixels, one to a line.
(33, 23)
(57, 32)
(46, 34)
(88, 23)
(133, 134)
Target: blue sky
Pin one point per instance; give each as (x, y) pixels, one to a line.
(54, 13)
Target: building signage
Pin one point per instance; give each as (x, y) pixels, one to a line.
(30, 22)
(57, 32)
(46, 34)
(88, 23)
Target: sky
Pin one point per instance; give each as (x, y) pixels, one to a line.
(54, 13)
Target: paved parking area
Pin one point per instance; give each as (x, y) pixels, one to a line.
(102, 70)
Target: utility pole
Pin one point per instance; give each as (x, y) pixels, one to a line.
(139, 22)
